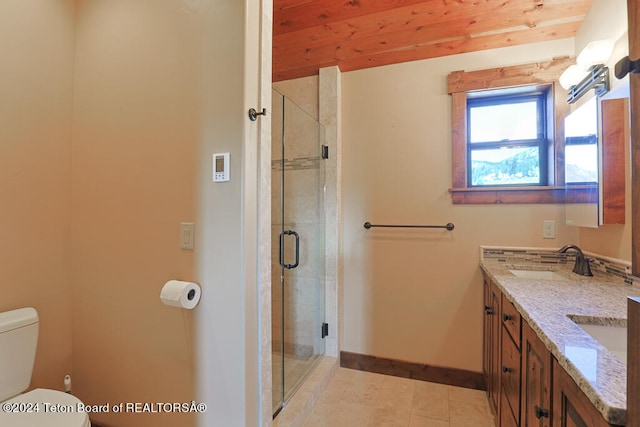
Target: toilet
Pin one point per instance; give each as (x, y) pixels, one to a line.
(39, 407)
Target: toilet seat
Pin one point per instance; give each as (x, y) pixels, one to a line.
(45, 418)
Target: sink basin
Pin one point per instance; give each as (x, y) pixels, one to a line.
(538, 274)
(613, 338)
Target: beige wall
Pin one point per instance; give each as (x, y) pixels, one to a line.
(36, 77)
(135, 139)
(416, 295)
(153, 101)
(230, 343)
(110, 113)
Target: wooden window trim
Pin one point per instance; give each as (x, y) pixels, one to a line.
(461, 82)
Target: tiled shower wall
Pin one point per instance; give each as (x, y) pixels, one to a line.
(329, 93)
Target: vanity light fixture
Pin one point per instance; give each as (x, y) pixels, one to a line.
(589, 72)
(572, 76)
(597, 78)
(596, 52)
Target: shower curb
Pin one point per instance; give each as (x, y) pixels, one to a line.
(300, 406)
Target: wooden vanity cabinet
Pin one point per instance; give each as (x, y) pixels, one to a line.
(501, 355)
(525, 384)
(511, 320)
(507, 419)
(491, 350)
(511, 375)
(571, 407)
(536, 380)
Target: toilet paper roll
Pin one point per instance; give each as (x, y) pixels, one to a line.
(177, 293)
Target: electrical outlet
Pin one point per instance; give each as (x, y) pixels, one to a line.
(549, 229)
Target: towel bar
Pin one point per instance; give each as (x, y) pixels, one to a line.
(449, 226)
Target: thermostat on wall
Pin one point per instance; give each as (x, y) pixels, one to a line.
(221, 167)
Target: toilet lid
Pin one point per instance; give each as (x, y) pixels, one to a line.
(43, 407)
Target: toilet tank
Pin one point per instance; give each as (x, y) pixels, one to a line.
(18, 343)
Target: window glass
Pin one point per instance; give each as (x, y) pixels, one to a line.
(506, 139)
(505, 166)
(503, 122)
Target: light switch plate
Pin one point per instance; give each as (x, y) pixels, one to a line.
(187, 235)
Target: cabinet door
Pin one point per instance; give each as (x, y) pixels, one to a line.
(507, 419)
(496, 359)
(536, 380)
(510, 376)
(486, 330)
(614, 136)
(491, 361)
(571, 407)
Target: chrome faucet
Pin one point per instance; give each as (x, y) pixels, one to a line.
(582, 264)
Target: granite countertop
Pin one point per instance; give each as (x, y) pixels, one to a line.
(549, 305)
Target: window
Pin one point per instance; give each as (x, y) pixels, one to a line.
(507, 134)
(506, 137)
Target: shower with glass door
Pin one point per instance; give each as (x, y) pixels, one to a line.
(298, 255)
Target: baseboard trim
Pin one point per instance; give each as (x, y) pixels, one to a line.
(416, 371)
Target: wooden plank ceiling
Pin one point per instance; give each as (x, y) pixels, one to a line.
(355, 34)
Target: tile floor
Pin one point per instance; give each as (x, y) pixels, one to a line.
(357, 398)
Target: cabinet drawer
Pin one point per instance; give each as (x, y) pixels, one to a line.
(510, 373)
(511, 320)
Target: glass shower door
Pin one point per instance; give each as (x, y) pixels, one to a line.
(298, 233)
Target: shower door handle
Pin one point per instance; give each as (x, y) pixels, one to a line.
(294, 234)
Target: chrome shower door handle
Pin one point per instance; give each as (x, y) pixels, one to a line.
(297, 237)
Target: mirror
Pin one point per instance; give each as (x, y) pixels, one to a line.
(582, 171)
(595, 135)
